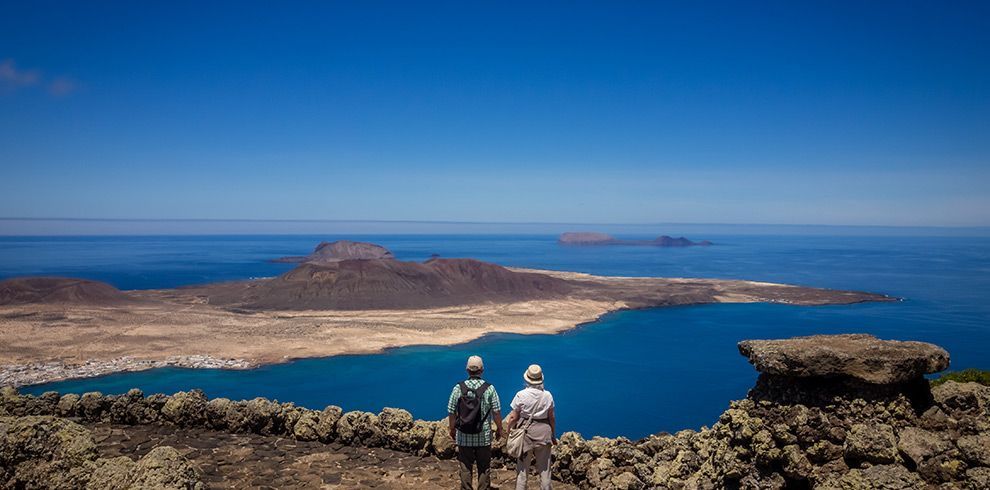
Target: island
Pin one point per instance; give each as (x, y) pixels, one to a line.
(595, 238)
(337, 251)
(58, 328)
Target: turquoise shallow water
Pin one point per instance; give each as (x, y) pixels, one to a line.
(632, 373)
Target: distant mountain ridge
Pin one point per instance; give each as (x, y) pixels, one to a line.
(596, 238)
(387, 283)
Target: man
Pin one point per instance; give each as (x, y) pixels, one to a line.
(471, 409)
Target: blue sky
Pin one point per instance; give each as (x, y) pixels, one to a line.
(851, 113)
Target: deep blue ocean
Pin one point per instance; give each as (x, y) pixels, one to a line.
(632, 373)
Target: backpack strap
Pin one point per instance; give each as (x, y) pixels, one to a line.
(480, 392)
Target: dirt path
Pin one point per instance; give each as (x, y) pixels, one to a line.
(262, 462)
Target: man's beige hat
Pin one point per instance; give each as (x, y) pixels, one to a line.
(475, 364)
(534, 374)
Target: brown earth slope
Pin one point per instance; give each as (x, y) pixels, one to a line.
(59, 290)
(387, 284)
(362, 276)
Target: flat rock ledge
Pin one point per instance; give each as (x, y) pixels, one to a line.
(858, 356)
(790, 432)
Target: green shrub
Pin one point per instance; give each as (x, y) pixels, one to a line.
(970, 375)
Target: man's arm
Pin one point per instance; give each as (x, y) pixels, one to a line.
(497, 415)
(451, 412)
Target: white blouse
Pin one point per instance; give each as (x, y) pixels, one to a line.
(531, 402)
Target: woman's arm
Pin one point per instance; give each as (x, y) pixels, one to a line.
(553, 426)
(510, 421)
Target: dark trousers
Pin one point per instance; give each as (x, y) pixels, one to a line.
(468, 456)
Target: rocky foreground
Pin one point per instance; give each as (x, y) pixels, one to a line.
(246, 460)
(837, 427)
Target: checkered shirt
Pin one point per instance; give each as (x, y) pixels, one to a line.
(489, 404)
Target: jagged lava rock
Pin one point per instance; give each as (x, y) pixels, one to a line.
(305, 429)
(164, 467)
(92, 405)
(885, 477)
(442, 445)
(860, 356)
(186, 409)
(873, 443)
(49, 452)
(967, 397)
(326, 430)
(975, 449)
(359, 428)
(68, 405)
(919, 444)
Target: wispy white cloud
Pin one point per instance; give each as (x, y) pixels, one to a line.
(61, 86)
(14, 78)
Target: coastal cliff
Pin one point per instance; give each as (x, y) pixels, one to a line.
(829, 412)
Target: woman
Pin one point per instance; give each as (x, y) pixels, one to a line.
(532, 409)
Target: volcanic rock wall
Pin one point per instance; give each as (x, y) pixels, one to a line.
(826, 427)
(830, 430)
(50, 452)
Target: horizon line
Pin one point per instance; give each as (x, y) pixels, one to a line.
(467, 222)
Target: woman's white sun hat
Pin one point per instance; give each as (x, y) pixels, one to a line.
(533, 375)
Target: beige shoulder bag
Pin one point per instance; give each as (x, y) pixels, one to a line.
(515, 445)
